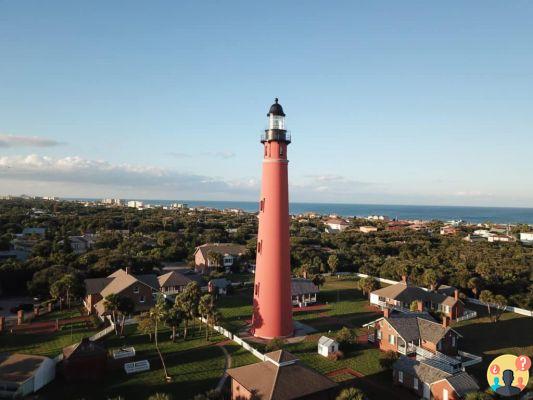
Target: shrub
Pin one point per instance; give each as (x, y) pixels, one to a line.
(388, 359)
(345, 337)
(336, 356)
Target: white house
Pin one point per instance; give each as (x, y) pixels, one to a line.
(327, 346)
(526, 237)
(22, 374)
(336, 225)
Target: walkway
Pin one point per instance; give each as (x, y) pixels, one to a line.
(229, 361)
(48, 326)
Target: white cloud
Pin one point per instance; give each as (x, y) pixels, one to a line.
(215, 154)
(26, 141)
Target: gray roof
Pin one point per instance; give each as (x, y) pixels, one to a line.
(96, 285)
(221, 248)
(424, 372)
(407, 293)
(325, 341)
(412, 327)
(463, 383)
(302, 286)
(220, 282)
(173, 278)
(149, 279)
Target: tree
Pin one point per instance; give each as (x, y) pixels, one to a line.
(475, 284)
(413, 306)
(351, 394)
(501, 304)
(478, 396)
(486, 297)
(157, 313)
(146, 324)
(345, 337)
(125, 307)
(188, 301)
(206, 309)
(173, 318)
(319, 280)
(388, 359)
(431, 277)
(333, 263)
(111, 305)
(367, 285)
(214, 259)
(160, 396)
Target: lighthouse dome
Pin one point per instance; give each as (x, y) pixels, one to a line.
(276, 109)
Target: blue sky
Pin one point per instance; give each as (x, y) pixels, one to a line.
(410, 102)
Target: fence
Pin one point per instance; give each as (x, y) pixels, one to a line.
(102, 333)
(473, 358)
(237, 340)
(512, 309)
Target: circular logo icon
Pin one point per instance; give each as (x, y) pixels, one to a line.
(508, 375)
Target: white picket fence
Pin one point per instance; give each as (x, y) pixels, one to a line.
(512, 309)
(102, 333)
(237, 339)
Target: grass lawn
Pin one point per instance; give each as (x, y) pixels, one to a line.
(512, 334)
(49, 345)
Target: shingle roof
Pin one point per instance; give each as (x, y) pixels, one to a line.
(96, 285)
(221, 248)
(85, 348)
(424, 372)
(412, 327)
(281, 356)
(173, 278)
(269, 381)
(325, 341)
(463, 383)
(407, 293)
(301, 286)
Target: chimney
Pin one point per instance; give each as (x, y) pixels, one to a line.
(128, 270)
(404, 279)
(420, 306)
(456, 294)
(445, 321)
(386, 312)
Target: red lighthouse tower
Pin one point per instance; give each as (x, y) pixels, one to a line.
(272, 310)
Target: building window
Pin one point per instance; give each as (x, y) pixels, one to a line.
(262, 205)
(439, 345)
(259, 246)
(378, 334)
(256, 289)
(142, 299)
(444, 394)
(280, 150)
(400, 376)
(136, 289)
(453, 341)
(391, 339)
(415, 384)
(265, 149)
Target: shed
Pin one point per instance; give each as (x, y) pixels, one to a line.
(23, 374)
(84, 361)
(218, 286)
(327, 346)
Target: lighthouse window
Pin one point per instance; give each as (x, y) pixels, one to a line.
(281, 151)
(266, 149)
(256, 289)
(262, 205)
(259, 246)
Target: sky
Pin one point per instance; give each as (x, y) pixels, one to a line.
(388, 102)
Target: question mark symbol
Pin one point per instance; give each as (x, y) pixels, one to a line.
(495, 369)
(523, 363)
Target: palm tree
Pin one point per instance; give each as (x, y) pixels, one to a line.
(125, 307)
(157, 313)
(486, 297)
(188, 301)
(351, 394)
(111, 305)
(333, 263)
(160, 396)
(475, 284)
(367, 285)
(207, 310)
(173, 318)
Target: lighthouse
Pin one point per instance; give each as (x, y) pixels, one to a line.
(272, 305)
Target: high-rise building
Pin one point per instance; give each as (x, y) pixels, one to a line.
(272, 307)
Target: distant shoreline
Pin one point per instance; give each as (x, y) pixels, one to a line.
(470, 214)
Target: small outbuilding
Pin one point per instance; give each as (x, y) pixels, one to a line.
(327, 346)
(84, 361)
(219, 286)
(23, 374)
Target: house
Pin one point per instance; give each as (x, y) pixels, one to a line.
(280, 377)
(416, 334)
(334, 225)
(401, 295)
(172, 282)
(397, 225)
(141, 289)
(430, 382)
(34, 231)
(228, 253)
(218, 286)
(303, 292)
(327, 346)
(81, 244)
(368, 229)
(448, 230)
(84, 361)
(526, 237)
(500, 237)
(23, 374)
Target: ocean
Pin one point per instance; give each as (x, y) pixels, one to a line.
(502, 215)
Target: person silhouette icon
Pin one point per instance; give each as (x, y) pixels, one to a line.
(508, 390)
(496, 383)
(520, 385)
